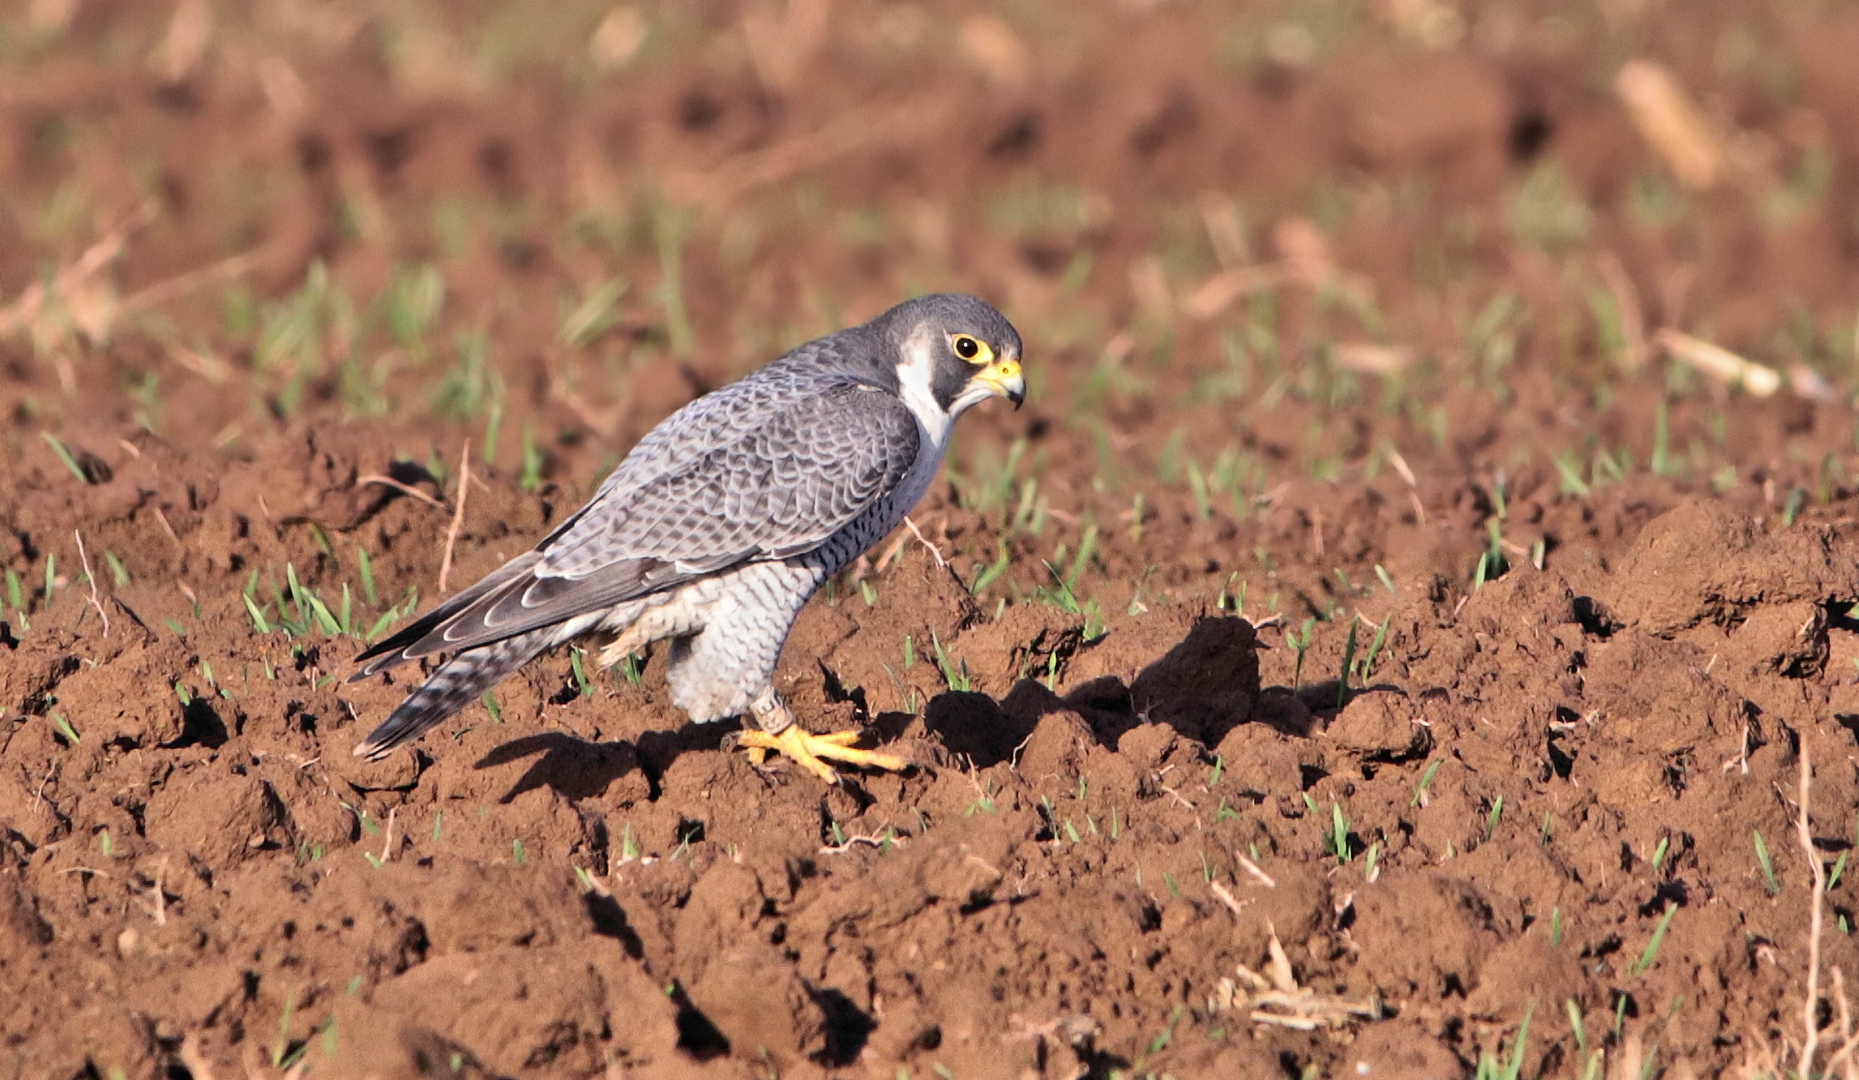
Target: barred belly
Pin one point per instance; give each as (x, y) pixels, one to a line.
(746, 618)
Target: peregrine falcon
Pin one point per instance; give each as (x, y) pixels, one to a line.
(722, 522)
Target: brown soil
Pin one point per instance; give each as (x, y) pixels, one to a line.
(1551, 779)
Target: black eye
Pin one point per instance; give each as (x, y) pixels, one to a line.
(966, 347)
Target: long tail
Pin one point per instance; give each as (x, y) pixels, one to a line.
(456, 684)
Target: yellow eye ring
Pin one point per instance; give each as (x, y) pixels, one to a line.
(972, 349)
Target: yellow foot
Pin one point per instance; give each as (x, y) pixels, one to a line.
(807, 749)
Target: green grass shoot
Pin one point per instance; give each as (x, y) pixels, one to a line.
(1767, 864)
(65, 730)
(282, 1045)
(1426, 781)
(954, 673)
(531, 477)
(1374, 651)
(582, 683)
(1490, 1068)
(64, 456)
(365, 563)
(1658, 938)
(1300, 641)
(1349, 659)
(1337, 842)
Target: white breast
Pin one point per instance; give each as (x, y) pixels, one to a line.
(933, 424)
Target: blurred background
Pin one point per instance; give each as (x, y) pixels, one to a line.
(1249, 245)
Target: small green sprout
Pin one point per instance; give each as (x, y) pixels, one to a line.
(381, 624)
(1658, 937)
(259, 622)
(64, 456)
(1767, 864)
(282, 1045)
(954, 674)
(1792, 508)
(1426, 781)
(365, 564)
(65, 730)
(531, 476)
(1572, 483)
(1300, 641)
(1339, 834)
(1489, 1068)
(583, 684)
(1349, 659)
(1374, 651)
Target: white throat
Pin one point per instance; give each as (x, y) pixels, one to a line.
(913, 377)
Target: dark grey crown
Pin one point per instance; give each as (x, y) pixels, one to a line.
(872, 351)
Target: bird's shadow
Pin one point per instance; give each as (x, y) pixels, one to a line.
(573, 768)
(578, 769)
(1203, 686)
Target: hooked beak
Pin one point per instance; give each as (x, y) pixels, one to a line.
(1004, 378)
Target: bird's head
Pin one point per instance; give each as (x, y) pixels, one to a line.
(955, 350)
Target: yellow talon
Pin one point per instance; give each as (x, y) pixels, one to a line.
(807, 749)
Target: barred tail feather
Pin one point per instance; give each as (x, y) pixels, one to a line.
(458, 682)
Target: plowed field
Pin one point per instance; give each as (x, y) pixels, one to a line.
(1388, 638)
